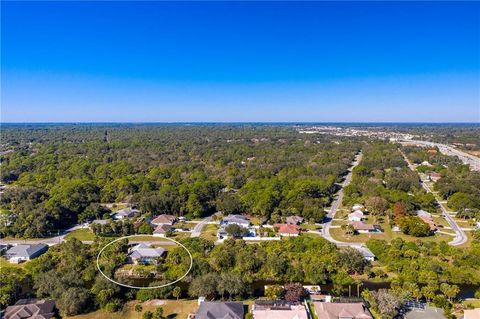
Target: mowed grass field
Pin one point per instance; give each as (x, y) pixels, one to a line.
(172, 309)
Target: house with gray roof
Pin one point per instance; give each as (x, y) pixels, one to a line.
(125, 213)
(220, 310)
(240, 220)
(145, 254)
(31, 309)
(20, 253)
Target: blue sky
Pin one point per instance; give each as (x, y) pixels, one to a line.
(240, 61)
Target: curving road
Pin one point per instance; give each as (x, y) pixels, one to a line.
(198, 227)
(460, 236)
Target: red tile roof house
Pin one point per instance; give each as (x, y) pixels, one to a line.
(361, 227)
(287, 230)
(31, 309)
(164, 219)
(336, 310)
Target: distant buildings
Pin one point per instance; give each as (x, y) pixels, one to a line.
(31, 309)
(334, 310)
(20, 253)
(427, 218)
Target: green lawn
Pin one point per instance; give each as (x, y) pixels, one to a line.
(172, 309)
(388, 235)
(209, 232)
(83, 234)
(5, 264)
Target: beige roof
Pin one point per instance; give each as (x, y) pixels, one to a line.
(295, 312)
(334, 310)
(164, 219)
(362, 226)
(471, 313)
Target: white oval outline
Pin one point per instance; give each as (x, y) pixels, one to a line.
(135, 287)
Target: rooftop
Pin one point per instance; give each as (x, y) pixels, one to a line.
(31, 308)
(220, 310)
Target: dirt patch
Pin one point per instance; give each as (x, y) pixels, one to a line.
(154, 302)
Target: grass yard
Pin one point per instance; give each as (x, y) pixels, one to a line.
(172, 309)
(180, 235)
(209, 232)
(388, 235)
(310, 226)
(5, 264)
(83, 234)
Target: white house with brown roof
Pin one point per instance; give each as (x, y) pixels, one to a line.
(337, 310)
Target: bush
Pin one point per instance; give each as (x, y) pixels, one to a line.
(113, 306)
(414, 226)
(138, 307)
(441, 301)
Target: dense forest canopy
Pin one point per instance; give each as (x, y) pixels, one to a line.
(57, 172)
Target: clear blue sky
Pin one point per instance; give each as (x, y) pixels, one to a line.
(240, 61)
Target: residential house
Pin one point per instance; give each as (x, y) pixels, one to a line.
(240, 220)
(427, 218)
(287, 230)
(31, 309)
(367, 253)
(359, 207)
(3, 248)
(294, 220)
(145, 254)
(20, 253)
(356, 216)
(220, 310)
(336, 310)
(164, 219)
(125, 213)
(426, 163)
(161, 230)
(434, 176)
(363, 228)
(471, 313)
(263, 309)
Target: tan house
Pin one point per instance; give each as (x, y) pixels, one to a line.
(278, 310)
(164, 220)
(337, 310)
(361, 227)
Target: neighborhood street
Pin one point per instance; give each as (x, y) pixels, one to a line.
(335, 205)
(50, 241)
(198, 228)
(460, 236)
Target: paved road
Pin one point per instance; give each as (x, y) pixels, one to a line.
(333, 210)
(198, 228)
(49, 241)
(466, 158)
(460, 236)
